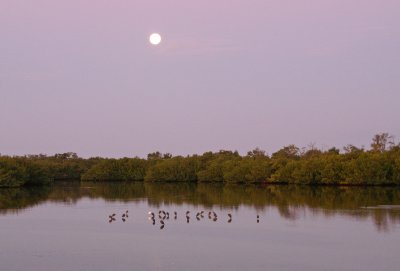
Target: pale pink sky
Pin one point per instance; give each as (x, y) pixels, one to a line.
(81, 76)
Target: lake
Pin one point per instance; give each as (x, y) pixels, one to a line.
(67, 227)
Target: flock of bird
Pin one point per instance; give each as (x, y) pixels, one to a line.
(163, 216)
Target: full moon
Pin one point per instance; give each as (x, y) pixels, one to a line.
(155, 39)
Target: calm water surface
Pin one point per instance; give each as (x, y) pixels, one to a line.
(67, 227)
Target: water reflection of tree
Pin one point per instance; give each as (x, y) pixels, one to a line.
(13, 200)
(290, 200)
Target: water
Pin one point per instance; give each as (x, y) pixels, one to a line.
(66, 227)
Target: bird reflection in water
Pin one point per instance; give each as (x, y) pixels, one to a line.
(162, 224)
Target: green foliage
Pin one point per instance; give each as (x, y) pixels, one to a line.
(174, 169)
(246, 170)
(12, 173)
(15, 172)
(212, 171)
(288, 152)
(356, 166)
(117, 170)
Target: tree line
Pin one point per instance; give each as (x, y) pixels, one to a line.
(379, 165)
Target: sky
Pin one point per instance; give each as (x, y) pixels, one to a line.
(81, 75)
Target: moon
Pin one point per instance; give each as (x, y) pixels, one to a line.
(155, 38)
